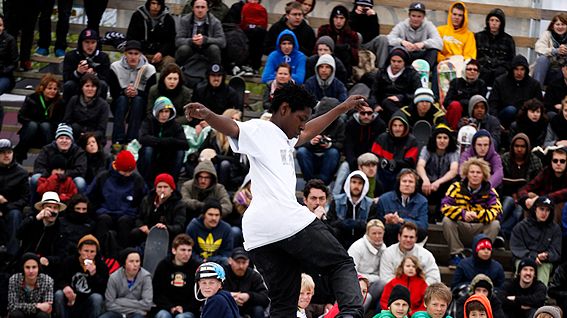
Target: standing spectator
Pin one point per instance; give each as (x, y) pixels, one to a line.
(8, 62)
(294, 21)
(409, 274)
(524, 294)
(287, 50)
(532, 121)
(551, 47)
(215, 93)
(495, 48)
(154, 27)
(30, 292)
(254, 23)
(456, 36)
(170, 84)
(21, 18)
(480, 263)
(199, 32)
(323, 83)
(130, 80)
(94, 9)
(87, 58)
(64, 8)
(39, 115)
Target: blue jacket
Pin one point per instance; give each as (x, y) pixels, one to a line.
(220, 304)
(472, 265)
(113, 193)
(212, 245)
(296, 60)
(336, 89)
(415, 211)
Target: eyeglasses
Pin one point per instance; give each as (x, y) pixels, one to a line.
(368, 113)
(472, 69)
(559, 161)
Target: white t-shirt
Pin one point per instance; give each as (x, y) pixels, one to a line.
(274, 213)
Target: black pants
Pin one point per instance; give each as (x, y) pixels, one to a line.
(64, 8)
(94, 10)
(281, 264)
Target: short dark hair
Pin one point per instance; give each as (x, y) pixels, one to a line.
(297, 97)
(408, 225)
(76, 199)
(459, 6)
(293, 5)
(182, 239)
(89, 77)
(474, 305)
(315, 184)
(532, 104)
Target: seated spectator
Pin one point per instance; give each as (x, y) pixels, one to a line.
(398, 305)
(471, 206)
(366, 253)
(483, 148)
(203, 186)
(39, 115)
(14, 195)
(98, 159)
(481, 118)
(417, 35)
(346, 40)
(154, 27)
(130, 80)
(495, 48)
(524, 294)
(555, 91)
(246, 285)
(551, 47)
(481, 285)
(423, 108)
(438, 165)
(404, 204)
(173, 283)
(294, 21)
(306, 292)
(41, 233)
(161, 208)
(56, 181)
(161, 137)
(129, 291)
(254, 23)
(556, 134)
(210, 277)
(87, 111)
(437, 299)
(410, 275)
(116, 195)
(282, 77)
(478, 306)
(215, 93)
(551, 311)
(87, 58)
(201, 33)
(83, 282)
(363, 19)
(396, 149)
(368, 164)
(456, 36)
(30, 292)
(393, 255)
(538, 238)
(76, 222)
(320, 157)
(324, 83)
(520, 166)
(511, 90)
(287, 51)
(532, 121)
(557, 286)
(461, 89)
(325, 45)
(213, 235)
(349, 211)
(395, 84)
(480, 262)
(308, 6)
(170, 84)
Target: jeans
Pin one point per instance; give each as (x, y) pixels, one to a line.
(123, 224)
(316, 247)
(136, 109)
(511, 215)
(255, 40)
(318, 166)
(92, 305)
(20, 314)
(507, 115)
(13, 221)
(342, 174)
(32, 134)
(211, 51)
(541, 67)
(253, 312)
(429, 55)
(166, 314)
(149, 167)
(5, 85)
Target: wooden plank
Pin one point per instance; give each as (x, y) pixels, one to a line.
(35, 75)
(47, 59)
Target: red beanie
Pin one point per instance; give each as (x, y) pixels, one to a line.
(484, 243)
(167, 178)
(125, 161)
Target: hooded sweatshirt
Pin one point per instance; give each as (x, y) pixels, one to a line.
(220, 304)
(331, 87)
(359, 137)
(495, 304)
(492, 157)
(457, 41)
(167, 137)
(484, 301)
(124, 299)
(14, 186)
(401, 150)
(346, 40)
(426, 33)
(516, 176)
(156, 34)
(340, 70)
(335, 131)
(347, 217)
(471, 266)
(488, 122)
(296, 59)
(99, 61)
(212, 245)
(122, 75)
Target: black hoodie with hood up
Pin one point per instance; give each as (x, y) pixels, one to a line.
(157, 34)
(99, 61)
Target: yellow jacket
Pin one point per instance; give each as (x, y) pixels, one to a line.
(457, 42)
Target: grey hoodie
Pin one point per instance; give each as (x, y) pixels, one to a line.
(426, 33)
(127, 75)
(329, 60)
(124, 300)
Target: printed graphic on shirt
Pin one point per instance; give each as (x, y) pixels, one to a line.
(80, 283)
(208, 245)
(287, 156)
(452, 39)
(178, 279)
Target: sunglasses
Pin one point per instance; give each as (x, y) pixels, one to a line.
(366, 113)
(559, 160)
(472, 69)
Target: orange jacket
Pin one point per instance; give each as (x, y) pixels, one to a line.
(457, 41)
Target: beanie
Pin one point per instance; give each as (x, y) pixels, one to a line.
(525, 263)
(58, 162)
(484, 243)
(91, 238)
(327, 40)
(64, 130)
(481, 133)
(399, 292)
(484, 284)
(124, 255)
(163, 102)
(167, 178)
(554, 311)
(423, 94)
(401, 52)
(287, 37)
(26, 257)
(211, 203)
(339, 10)
(124, 161)
(364, 3)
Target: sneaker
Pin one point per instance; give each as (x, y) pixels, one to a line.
(59, 53)
(25, 66)
(455, 260)
(499, 243)
(42, 51)
(248, 71)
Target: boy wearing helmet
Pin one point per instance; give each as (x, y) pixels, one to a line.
(208, 283)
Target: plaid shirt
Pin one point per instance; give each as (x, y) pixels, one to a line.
(25, 300)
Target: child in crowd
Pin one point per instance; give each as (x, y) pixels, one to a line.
(57, 181)
(218, 303)
(478, 306)
(398, 304)
(437, 299)
(307, 291)
(409, 274)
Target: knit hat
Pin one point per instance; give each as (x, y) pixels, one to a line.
(211, 203)
(481, 133)
(90, 238)
(339, 10)
(167, 178)
(5, 144)
(481, 280)
(64, 130)
(124, 161)
(401, 52)
(286, 37)
(327, 40)
(364, 3)
(133, 45)
(544, 201)
(399, 292)
(423, 94)
(484, 243)
(554, 311)
(417, 6)
(127, 251)
(26, 257)
(50, 197)
(58, 162)
(163, 102)
(525, 263)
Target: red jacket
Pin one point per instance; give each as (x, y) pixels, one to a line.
(254, 14)
(65, 189)
(416, 286)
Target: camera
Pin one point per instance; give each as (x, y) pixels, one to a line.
(325, 140)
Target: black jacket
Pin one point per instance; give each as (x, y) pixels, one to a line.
(403, 87)
(14, 187)
(32, 110)
(91, 117)
(554, 94)
(75, 157)
(99, 61)
(82, 283)
(461, 91)
(558, 284)
(251, 283)
(46, 241)
(173, 285)
(304, 34)
(171, 213)
(154, 38)
(166, 137)
(359, 138)
(533, 296)
(217, 99)
(367, 26)
(8, 55)
(73, 227)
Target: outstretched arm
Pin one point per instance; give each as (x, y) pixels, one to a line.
(220, 123)
(315, 126)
